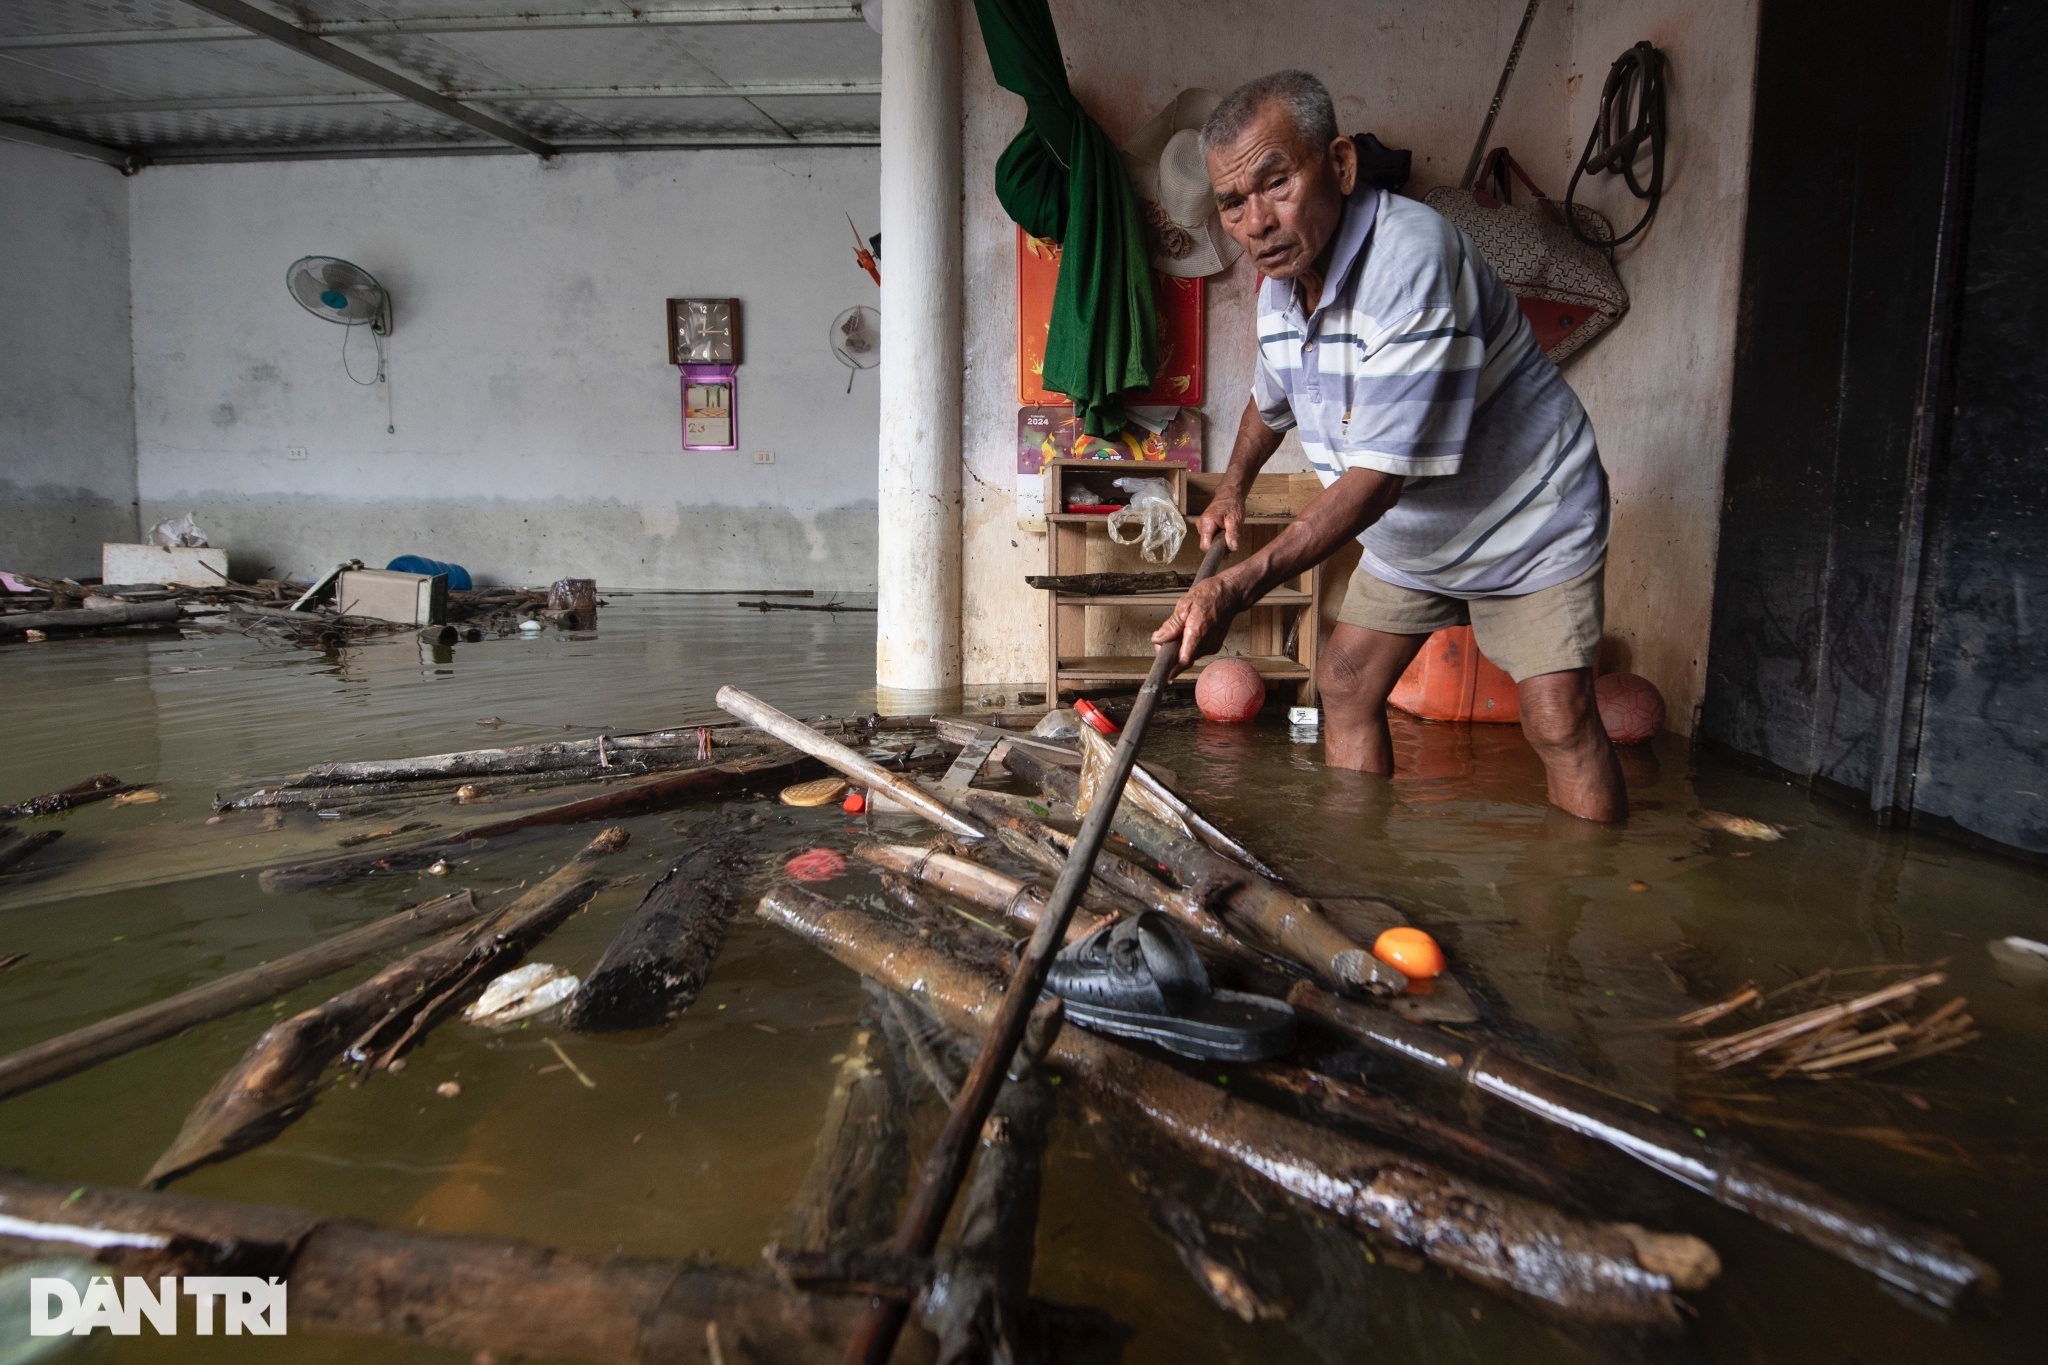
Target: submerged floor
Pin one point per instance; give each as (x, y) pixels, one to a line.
(694, 1138)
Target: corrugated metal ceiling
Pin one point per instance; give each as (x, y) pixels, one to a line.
(199, 80)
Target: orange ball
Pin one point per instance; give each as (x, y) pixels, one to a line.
(1409, 951)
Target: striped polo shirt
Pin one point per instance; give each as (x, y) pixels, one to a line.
(1417, 362)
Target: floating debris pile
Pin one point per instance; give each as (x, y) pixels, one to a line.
(1855, 1031)
(1401, 1158)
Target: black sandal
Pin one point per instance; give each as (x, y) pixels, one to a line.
(1140, 978)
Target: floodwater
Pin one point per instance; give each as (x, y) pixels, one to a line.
(694, 1138)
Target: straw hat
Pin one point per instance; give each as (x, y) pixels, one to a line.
(1171, 177)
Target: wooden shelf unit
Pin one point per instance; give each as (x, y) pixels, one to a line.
(1294, 607)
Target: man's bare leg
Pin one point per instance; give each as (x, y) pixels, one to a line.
(1353, 677)
(1562, 721)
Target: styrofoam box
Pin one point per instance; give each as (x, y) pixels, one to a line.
(416, 599)
(206, 567)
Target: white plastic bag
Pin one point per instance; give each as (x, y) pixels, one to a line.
(181, 533)
(1160, 527)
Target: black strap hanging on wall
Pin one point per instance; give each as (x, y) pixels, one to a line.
(1631, 113)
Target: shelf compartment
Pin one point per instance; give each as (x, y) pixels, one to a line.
(1279, 597)
(1273, 668)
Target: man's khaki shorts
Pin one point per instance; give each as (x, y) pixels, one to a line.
(1549, 631)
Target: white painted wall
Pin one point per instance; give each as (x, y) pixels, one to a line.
(1658, 385)
(1420, 76)
(67, 417)
(537, 420)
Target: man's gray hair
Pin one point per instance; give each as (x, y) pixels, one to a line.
(1305, 98)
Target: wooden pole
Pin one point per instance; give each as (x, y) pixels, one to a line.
(837, 756)
(94, 618)
(1260, 910)
(70, 1053)
(947, 1162)
(657, 793)
(277, 1079)
(1584, 1270)
(1908, 1255)
(658, 961)
(858, 1174)
(470, 1294)
(98, 787)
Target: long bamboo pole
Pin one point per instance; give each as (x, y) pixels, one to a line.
(946, 1164)
(1590, 1271)
(1909, 1255)
(833, 754)
(70, 1053)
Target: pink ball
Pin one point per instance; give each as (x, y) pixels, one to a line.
(1630, 707)
(1230, 690)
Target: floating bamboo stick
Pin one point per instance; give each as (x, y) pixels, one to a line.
(1592, 1272)
(835, 755)
(277, 1079)
(1709, 1013)
(1721, 1053)
(1909, 1255)
(471, 1294)
(1020, 901)
(67, 1054)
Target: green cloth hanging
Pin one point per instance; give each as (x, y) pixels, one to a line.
(1062, 178)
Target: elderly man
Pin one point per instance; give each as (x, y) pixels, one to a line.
(1446, 443)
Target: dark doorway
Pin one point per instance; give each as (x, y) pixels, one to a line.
(1883, 571)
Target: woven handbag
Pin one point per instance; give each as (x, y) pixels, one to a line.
(1567, 289)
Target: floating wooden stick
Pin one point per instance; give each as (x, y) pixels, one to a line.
(1251, 905)
(1020, 901)
(985, 1312)
(278, 1078)
(1345, 1102)
(1595, 1272)
(469, 1294)
(837, 756)
(519, 758)
(67, 1054)
(98, 787)
(638, 798)
(1721, 1053)
(1913, 1257)
(1046, 846)
(96, 618)
(657, 963)
(1707, 1014)
(862, 1165)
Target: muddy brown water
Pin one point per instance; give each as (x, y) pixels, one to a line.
(695, 1137)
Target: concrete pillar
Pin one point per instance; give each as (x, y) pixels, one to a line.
(918, 576)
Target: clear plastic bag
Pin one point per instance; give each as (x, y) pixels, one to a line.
(1158, 525)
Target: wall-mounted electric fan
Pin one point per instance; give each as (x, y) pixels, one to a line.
(856, 338)
(342, 291)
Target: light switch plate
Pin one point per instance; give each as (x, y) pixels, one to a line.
(764, 457)
(295, 452)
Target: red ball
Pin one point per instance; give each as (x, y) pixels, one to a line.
(1630, 707)
(1230, 690)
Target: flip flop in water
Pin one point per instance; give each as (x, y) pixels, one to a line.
(1140, 978)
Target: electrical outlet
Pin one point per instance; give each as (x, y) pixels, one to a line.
(295, 452)
(764, 457)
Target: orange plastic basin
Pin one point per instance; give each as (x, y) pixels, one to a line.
(1451, 680)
